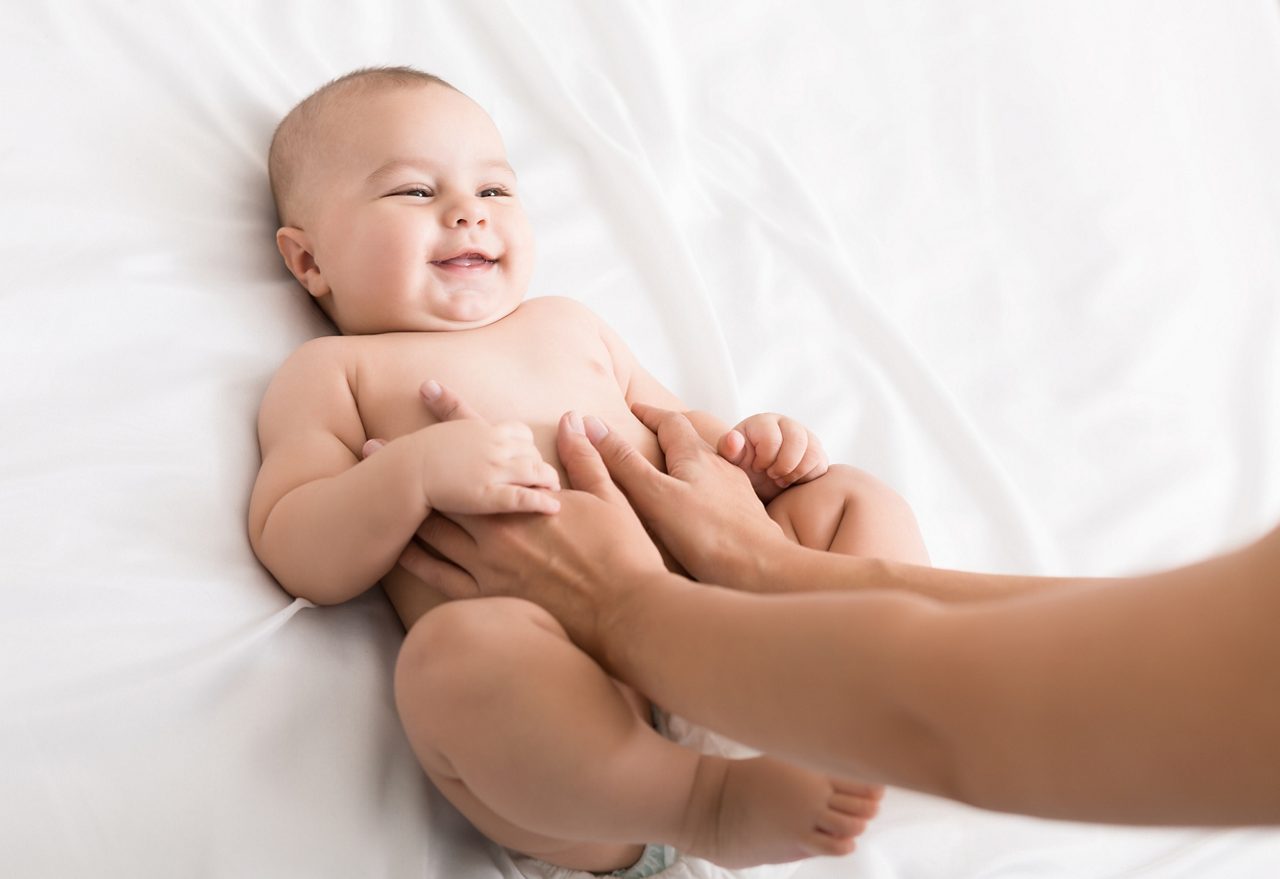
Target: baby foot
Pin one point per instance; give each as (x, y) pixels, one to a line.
(763, 811)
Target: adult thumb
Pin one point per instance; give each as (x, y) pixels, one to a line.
(581, 461)
(443, 403)
(629, 469)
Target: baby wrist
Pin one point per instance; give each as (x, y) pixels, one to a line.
(425, 456)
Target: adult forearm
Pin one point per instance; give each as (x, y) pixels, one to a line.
(814, 678)
(1150, 700)
(331, 539)
(786, 568)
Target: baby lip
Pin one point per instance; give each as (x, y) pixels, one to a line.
(468, 258)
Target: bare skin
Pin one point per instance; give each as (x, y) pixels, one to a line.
(417, 247)
(730, 812)
(507, 662)
(1146, 700)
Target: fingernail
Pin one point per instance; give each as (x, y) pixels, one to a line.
(575, 423)
(431, 389)
(596, 429)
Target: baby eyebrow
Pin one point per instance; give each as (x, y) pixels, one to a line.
(394, 165)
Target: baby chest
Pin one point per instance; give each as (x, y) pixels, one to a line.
(534, 381)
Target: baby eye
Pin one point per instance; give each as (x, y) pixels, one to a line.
(492, 191)
(416, 192)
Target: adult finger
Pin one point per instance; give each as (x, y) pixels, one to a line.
(629, 469)
(652, 416)
(449, 539)
(676, 435)
(443, 403)
(581, 460)
(448, 578)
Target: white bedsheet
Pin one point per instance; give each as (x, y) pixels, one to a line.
(1017, 259)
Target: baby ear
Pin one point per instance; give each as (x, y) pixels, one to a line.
(295, 247)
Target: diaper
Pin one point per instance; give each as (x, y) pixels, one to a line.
(654, 862)
(662, 860)
(657, 860)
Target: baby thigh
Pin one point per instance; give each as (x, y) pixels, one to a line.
(849, 511)
(526, 735)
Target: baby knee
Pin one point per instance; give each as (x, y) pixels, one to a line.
(860, 487)
(842, 487)
(460, 634)
(815, 513)
(458, 664)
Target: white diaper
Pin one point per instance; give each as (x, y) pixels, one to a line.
(659, 860)
(682, 867)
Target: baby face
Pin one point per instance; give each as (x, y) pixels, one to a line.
(414, 222)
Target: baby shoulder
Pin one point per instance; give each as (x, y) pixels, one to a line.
(318, 371)
(570, 318)
(316, 357)
(561, 308)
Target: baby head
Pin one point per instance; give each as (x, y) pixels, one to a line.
(398, 209)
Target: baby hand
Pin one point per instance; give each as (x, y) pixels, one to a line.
(471, 466)
(776, 452)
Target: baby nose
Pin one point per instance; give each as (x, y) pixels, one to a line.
(466, 212)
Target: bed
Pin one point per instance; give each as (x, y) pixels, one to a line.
(1018, 260)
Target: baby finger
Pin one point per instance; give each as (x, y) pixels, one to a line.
(795, 441)
(765, 443)
(813, 465)
(515, 431)
(812, 473)
(518, 499)
(535, 473)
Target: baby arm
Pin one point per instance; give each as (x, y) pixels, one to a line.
(638, 386)
(328, 525)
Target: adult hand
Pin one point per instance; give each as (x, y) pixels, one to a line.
(576, 563)
(703, 509)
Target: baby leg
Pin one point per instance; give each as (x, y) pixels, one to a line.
(547, 755)
(851, 512)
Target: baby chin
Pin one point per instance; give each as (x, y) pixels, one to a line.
(470, 308)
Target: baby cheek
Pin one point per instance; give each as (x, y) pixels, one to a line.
(524, 253)
(392, 260)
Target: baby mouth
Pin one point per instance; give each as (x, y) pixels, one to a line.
(466, 261)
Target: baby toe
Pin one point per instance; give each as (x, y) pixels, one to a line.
(857, 788)
(862, 807)
(820, 843)
(841, 825)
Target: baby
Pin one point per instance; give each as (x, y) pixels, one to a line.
(400, 216)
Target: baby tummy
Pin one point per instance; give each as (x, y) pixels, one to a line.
(412, 597)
